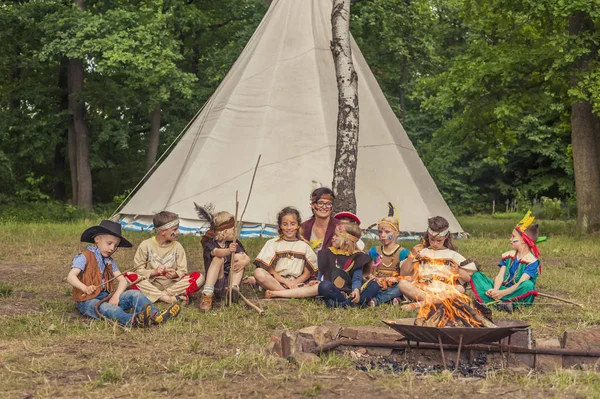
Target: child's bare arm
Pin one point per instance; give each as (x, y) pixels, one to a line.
(499, 278)
(74, 281)
(221, 252)
(406, 266)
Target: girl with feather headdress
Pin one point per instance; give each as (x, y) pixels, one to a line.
(514, 285)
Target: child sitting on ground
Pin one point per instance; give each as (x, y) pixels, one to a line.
(287, 261)
(92, 274)
(514, 284)
(437, 266)
(162, 262)
(341, 268)
(219, 248)
(388, 262)
(349, 217)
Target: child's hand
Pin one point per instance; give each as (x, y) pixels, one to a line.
(90, 289)
(159, 270)
(238, 266)
(291, 285)
(313, 282)
(495, 294)
(233, 247)
(355, 296)
(171, 274)
(114, 300)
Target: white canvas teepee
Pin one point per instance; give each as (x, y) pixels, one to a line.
(280, 100)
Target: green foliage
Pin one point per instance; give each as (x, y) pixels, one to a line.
(482, 87)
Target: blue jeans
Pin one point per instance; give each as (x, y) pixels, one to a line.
(130, 299)
(334, 298)
(387, 295)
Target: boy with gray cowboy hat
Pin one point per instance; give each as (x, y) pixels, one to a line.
(93, 272)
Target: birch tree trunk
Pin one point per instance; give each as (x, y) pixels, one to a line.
(153, 139)
(346, 151)
(584, 140)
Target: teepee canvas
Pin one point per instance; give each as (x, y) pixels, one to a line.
(280, 100)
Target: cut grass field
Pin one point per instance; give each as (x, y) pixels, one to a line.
(48, 350)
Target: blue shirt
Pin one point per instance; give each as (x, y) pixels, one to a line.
(79, 261)
(531, 269)
(375, 255)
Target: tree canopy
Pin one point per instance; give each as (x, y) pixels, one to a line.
(494, 94)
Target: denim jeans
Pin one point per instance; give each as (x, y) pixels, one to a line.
(387, 295)
(130, 299)
(334, 298)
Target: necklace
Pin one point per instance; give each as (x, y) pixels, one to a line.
(393, 252)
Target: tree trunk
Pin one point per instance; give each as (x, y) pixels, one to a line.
(346, 149)
(403, 72)
(584, 136)
(153, 139)
(75, 79)
(63, 83)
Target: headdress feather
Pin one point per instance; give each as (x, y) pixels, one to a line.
(206, 213)
(526, 221)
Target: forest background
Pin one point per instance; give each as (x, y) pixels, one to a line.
(491, 93)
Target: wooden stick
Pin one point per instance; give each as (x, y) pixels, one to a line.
(231, 272)
(250, 190)
(559, 299)
(247, 302)
(111, 279)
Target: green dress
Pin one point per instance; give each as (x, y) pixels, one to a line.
(515, 268)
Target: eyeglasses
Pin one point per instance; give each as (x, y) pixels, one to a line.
(322, 204)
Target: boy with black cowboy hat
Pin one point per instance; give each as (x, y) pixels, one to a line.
(93, 272)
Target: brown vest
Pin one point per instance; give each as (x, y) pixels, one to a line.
(91, 276)
(393, 264)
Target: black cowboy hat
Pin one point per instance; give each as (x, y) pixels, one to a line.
(105, 227)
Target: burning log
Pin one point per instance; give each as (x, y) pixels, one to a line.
(459, 314)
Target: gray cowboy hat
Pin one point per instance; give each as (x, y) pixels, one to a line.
(105, 227)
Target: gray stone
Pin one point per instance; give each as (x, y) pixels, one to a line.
(370, 333)
(587, 340)
(548, 362)
(320, 335)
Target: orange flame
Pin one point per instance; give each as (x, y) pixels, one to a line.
(437, 279)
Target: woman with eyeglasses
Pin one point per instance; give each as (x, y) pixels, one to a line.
(320, 228)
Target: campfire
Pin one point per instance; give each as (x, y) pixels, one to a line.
(442, 305)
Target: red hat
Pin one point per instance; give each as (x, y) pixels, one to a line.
(348, 215)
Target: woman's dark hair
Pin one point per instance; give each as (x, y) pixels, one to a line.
(438, 224)
(319, 192)
(289, 210)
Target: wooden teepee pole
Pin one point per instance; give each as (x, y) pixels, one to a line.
(231, 271)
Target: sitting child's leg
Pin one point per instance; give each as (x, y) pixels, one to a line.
(215, 272)
(265, 280)
(308, 291)
(368, 293)
(410, 291)
(480, 284)
(186, 286)
(333, 296)
(387, 295)
(236, 276)
(152, 292)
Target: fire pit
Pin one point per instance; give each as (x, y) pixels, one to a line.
(454, 335)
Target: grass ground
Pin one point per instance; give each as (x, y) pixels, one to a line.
(48, 350)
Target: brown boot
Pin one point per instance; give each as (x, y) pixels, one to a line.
(206, 303)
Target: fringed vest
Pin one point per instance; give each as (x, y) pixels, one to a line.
(91, 276)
